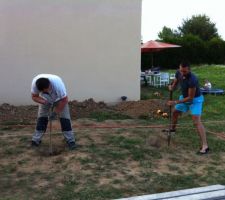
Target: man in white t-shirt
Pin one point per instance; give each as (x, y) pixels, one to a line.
(49, 90)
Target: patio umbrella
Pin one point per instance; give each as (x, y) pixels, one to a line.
(154, 46)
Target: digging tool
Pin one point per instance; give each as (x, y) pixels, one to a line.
(168, 131)
(50, 130)
(170, 119)
(52, 116)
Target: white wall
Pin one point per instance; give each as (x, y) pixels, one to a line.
(94, 45)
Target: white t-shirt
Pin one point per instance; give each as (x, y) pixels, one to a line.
(58, 90)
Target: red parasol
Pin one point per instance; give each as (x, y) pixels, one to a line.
(154, 46)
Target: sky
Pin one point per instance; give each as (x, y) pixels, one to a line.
(171, 13)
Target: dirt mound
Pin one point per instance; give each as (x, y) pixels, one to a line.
(142, 108)
(85, 108)
(134, 109)
(18, 113)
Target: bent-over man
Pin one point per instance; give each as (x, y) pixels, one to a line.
(49, 90)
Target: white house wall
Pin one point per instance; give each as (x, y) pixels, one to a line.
(94, 45)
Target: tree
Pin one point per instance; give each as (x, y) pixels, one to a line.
(193, 48)
(167, 33)
(216, 51)
(199, 25)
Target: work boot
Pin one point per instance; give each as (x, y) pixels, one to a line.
(35, 144)
(71, 145)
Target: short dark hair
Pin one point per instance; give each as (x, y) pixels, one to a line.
(42, 83)
(185, 64)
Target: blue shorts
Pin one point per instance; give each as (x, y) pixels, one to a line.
(195, 107)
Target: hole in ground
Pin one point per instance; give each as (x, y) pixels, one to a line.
(45, 151)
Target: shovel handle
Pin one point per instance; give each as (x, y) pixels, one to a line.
(170, 118)
(171, 98)
(50, 131)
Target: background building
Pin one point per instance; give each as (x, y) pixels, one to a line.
(94, 45)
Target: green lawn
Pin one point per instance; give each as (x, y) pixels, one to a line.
(119, 162)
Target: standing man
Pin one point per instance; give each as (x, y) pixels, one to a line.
(191, 99)
(49, 90)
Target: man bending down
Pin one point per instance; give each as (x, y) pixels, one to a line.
(49, 90)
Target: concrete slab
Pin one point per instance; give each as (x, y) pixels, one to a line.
(213, 192)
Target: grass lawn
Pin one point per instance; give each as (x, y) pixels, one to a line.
(118, 162)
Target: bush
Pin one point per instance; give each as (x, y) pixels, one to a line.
(216, 51)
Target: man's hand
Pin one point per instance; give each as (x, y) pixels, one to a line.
(171, 103)
(170, 87)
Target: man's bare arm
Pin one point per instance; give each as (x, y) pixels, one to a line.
(190, 97)
(38, 99)
(61, 104)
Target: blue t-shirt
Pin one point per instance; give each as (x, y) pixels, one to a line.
(186, 82)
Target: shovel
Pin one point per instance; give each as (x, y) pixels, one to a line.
(170, 119)
(50, 131)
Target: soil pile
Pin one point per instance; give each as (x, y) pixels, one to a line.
(142, 108)
(134, 109)
(85, 108)
(18, 113)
